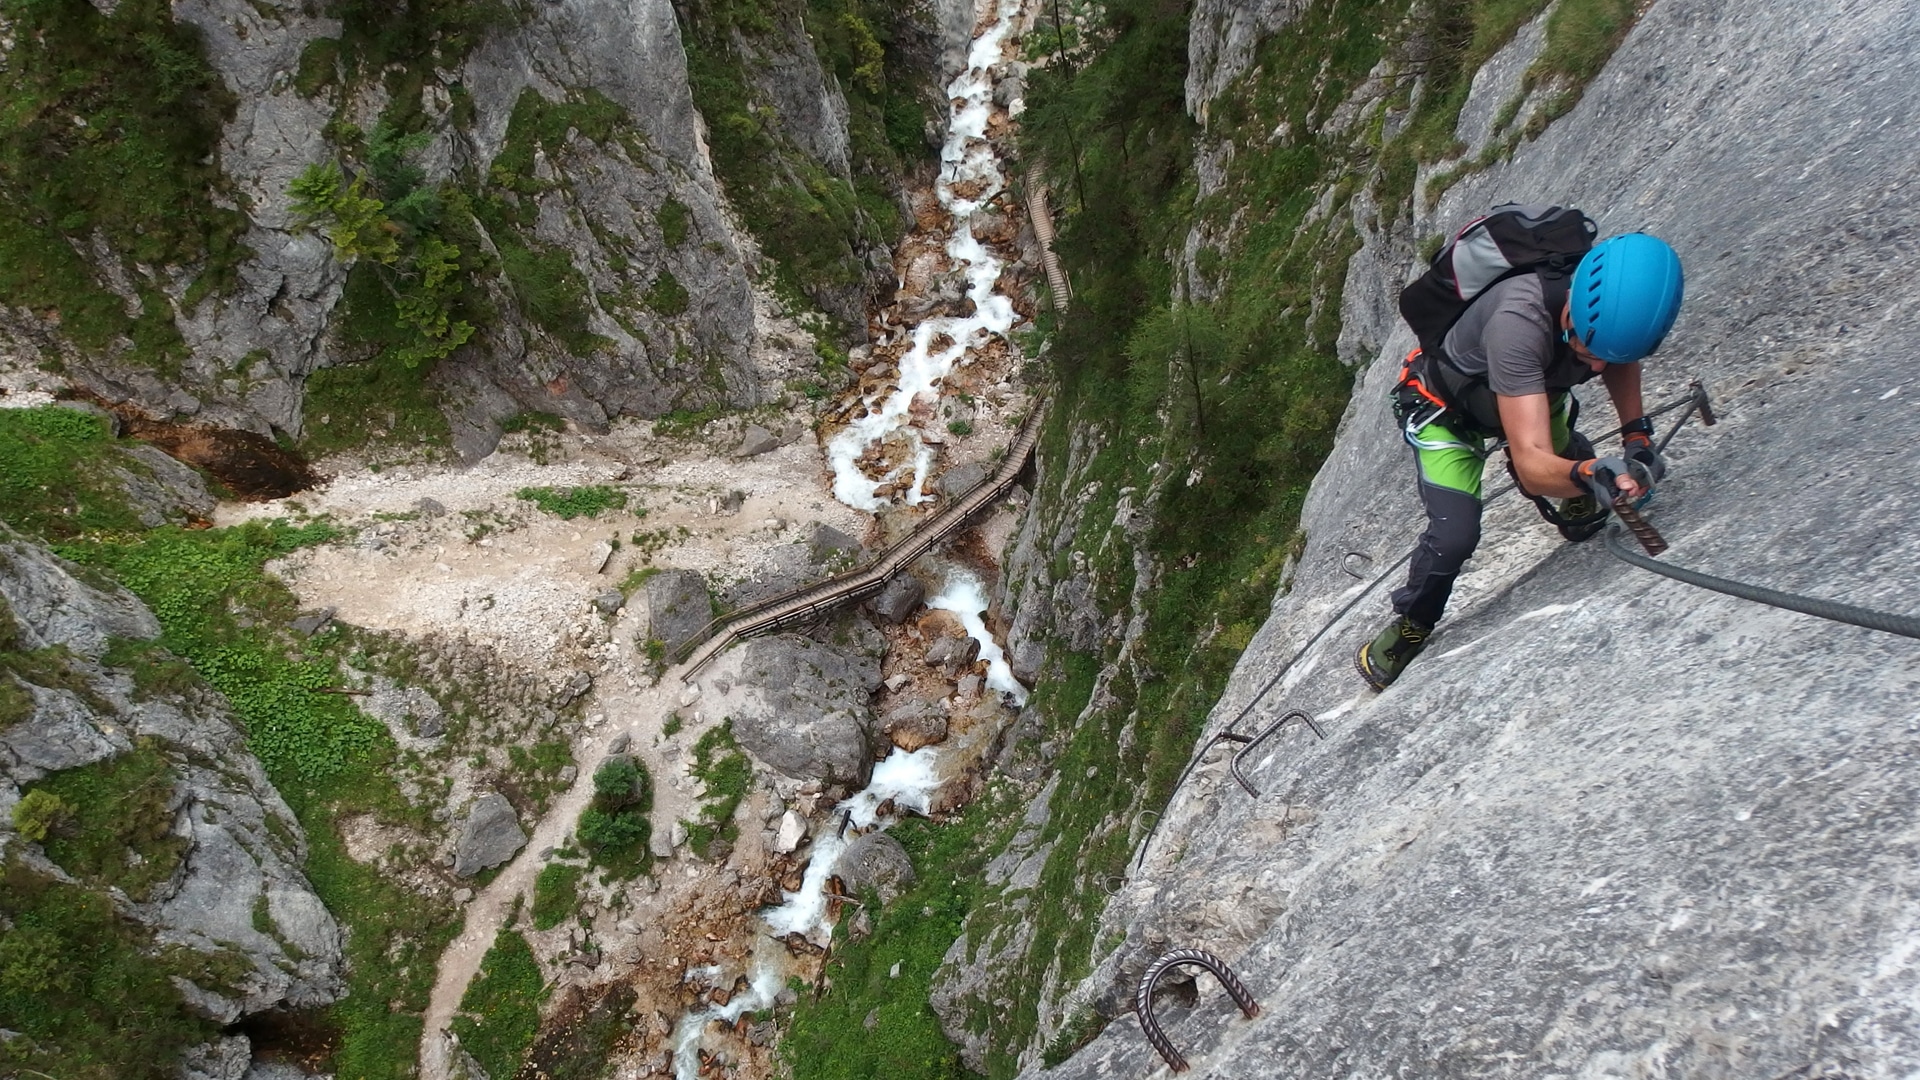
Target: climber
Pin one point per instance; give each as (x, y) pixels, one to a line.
(1502, 373)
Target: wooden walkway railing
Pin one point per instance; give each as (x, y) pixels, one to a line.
(805, 604)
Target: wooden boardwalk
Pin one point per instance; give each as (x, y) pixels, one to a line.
(810, 602)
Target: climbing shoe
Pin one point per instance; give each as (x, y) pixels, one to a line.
(1581, 518)
(1383, 659)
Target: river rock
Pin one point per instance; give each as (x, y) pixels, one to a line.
(961, 479)
(914, 725)
(876, 861)
(490, 836)
(799, 707)
(898, 599)
(793, 830)
(312, 622)
(952, 653)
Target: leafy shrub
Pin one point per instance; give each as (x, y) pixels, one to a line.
(38, 812)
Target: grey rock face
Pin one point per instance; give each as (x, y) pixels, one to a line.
(1221, 42)
(799, 707)
(899, 599)
(242, 843)
(490, 836)
(160, 490)
(678, 607)
(876, 861)
(1574, 839)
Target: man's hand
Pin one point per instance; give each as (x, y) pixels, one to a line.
(1611, 479)
(1640, 451)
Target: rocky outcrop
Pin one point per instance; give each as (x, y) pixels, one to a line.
(1223, 36)
(1608, 824)
(679, 606)
(235, 890)
(798, 707)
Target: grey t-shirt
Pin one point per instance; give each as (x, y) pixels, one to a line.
(1508, 335)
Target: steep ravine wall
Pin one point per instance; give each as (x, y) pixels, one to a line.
(1609, 825)
(605, 273)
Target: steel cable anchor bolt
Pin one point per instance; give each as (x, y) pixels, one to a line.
(1150, 981)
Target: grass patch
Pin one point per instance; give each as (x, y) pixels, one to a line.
(86, 991)
(556, 894)
(56, 479)
(569, 503)
(719, 763)
(830, 1036)
(500, 1013)
(114, 822)
(376, 402)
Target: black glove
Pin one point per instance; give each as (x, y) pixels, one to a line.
(1639, 440)
(1601, 475)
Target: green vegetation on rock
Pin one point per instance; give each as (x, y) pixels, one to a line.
(56, 479)
(814, 224)
(720, 764)
(108, 143)
(113, 826)
(85, 993)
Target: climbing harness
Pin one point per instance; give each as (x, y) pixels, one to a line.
(1150, 981)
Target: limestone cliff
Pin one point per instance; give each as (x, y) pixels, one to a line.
(147, 795)
(1608, 825)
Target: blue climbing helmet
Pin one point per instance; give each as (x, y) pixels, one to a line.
(1625, 296)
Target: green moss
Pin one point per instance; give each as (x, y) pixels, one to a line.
(319, 66)
(500, 1013)
(667, 296)
(674, 221)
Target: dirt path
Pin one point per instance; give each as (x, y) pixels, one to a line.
(478, 563)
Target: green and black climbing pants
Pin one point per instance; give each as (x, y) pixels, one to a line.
(1450, 464)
